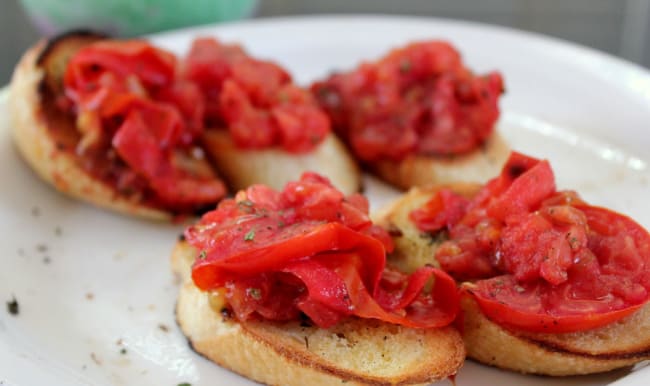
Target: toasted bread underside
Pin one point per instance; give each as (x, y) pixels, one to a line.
(275, 167)
(357, 352)
(619, 344)
(418, 170)
(44, 136)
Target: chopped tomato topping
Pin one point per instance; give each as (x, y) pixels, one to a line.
(308, 249)
(254, 99)
(543, 260)
(128, 101)
(419, 99)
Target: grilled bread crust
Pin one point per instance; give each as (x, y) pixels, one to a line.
(356, 351)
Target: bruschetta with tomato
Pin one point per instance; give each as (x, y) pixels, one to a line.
(131, 127)
(111, 122)
(261, 127)
(291, 286)
(550, 284)
(418, 116)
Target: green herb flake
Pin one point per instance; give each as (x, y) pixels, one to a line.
(184, 384)
(255, 293)
(203, 254)
(405, 66)
(250, 235)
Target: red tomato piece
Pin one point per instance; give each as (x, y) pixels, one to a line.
(255, 99)
(152, 66)
(126, 96)
(317, 253)
(419, 99)
(549, 261)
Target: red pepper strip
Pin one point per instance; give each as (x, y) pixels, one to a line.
(139, 148)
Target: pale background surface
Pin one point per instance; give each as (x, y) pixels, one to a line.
(619, 27)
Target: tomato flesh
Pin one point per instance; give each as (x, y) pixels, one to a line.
(541, 260)
(254, 99)
(419, 99)
(310, 250)
(129, 101)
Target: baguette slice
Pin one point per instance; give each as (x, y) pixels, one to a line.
(421, 170)
(619, 344)
(357, 352)
(274, 167)
(47, 137)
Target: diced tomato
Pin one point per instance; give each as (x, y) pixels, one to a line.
(444, 210)
(126, 96)
(152, 66)
(419, 99)
(139, 147)
(187, 98)
(544, 260)
(254, 99)
(279, 254)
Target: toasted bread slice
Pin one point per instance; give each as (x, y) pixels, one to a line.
(619, 344)
(47, 137)
(357, 351)
(421, 170)
(274, 167)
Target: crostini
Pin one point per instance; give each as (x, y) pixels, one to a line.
(549, 284)
(288, 286)
(418, 116)
(261, 127)
(99, 120)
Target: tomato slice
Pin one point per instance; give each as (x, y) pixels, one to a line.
(542, 260)
(264, 245)
(418, 99)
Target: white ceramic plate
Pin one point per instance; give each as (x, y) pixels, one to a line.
(95, 292)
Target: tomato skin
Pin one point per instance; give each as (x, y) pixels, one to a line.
(540, 260)
(418, 99)
(536, 319)
(316, 252)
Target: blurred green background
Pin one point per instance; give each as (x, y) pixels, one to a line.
(620, 27)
